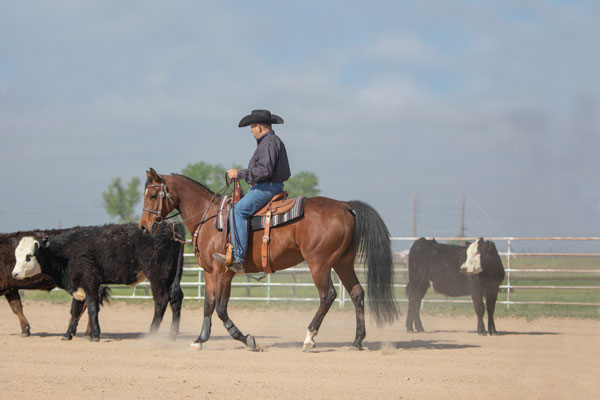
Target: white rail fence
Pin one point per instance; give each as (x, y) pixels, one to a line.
(270, 287)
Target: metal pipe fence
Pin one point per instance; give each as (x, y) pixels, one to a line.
(523, 278)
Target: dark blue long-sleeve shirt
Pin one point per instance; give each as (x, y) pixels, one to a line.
(269, 163)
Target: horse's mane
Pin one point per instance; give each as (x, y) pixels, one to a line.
(196, 182)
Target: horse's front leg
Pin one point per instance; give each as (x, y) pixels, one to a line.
(223, 291)
(209, 308)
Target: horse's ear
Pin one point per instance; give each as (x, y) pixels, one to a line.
(153, 175)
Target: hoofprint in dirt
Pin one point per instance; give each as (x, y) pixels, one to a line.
(542, 359)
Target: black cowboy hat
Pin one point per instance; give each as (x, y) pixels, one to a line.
(260, 117)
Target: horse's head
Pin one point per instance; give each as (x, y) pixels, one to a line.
(158, 203)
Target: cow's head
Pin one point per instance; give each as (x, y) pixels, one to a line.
(472, 264)
(26, 254)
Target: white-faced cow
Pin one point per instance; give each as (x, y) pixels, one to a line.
(9, 287)
(453, 270)
(82, 259)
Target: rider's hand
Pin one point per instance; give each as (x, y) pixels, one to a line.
(232, 173)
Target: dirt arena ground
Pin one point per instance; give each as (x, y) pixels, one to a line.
(541, 359)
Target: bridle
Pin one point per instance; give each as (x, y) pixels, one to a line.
(159, 219)
(163, 195)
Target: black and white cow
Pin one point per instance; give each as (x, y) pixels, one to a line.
(453, 270)
(9, 286)
(82, 259)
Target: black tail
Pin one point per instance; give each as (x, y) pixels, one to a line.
(104, 295)
(374, 245)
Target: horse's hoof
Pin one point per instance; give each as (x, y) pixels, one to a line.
(25, 334)
(196, 346)
(66, 337)
(308, 347)
(94, 339)
(251, 342)
(356, 348)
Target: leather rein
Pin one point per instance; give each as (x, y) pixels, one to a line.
(164, 195)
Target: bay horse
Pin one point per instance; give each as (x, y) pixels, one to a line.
(329, 235)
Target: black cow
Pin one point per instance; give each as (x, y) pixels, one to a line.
(445, 267)
(84, 258)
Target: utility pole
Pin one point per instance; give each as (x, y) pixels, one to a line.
(415, 214)
(462, 218)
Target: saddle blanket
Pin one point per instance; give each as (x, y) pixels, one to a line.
(257, 222)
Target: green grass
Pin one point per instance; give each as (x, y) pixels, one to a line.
(521, 278)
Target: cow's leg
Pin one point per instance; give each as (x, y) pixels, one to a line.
(327, 295)
(161, 299)
(104, 296)
(415, 290)
(209, 308)
(14, 300)
(88, 329)
(77, 308)
(490, 303)
(175, 301)
(222, 293)
(345, 271)
(410, 317)
(92, 303)
(477, 297)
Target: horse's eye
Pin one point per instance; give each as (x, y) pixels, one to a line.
(28, 257)
(153, 197)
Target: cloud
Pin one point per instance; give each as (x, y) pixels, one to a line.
(406, 49)
(379, 100)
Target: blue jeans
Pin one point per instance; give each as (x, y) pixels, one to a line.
(254, 200)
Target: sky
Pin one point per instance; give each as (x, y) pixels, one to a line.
(382, 100)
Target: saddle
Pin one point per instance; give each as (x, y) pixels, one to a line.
(279, 204)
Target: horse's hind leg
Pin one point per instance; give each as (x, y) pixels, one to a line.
(327, 295)
(14, 300)
(350, 281)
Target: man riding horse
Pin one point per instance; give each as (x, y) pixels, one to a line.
(267, 170)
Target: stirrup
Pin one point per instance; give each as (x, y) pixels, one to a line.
(225, 259)
(236, 267)
(259, 276)
(218, 257)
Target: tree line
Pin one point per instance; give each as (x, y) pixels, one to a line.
(121, 199)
